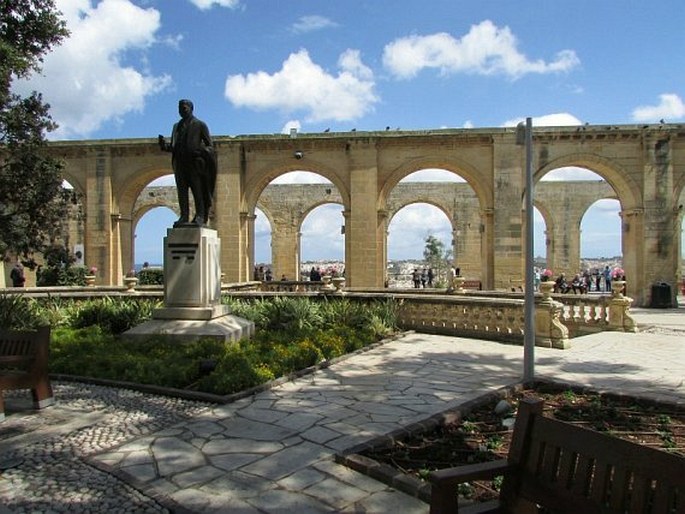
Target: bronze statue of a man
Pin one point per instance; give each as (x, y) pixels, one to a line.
(194, 162)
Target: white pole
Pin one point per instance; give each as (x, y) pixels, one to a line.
(529, 298)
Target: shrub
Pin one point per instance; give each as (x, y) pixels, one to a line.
(19, 313)
(113, 315)
(234, 372)
(151, 277)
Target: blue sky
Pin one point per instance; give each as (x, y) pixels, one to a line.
(261, 66)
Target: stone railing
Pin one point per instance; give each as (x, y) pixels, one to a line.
(489, 315)
(498, 319)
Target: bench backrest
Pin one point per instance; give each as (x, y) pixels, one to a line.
(27, 350)
(572, 469)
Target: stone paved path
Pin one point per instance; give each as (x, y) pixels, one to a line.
(103, 449)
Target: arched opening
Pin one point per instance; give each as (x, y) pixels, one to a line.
(149, 236)
(153, 214)
(303, 213)
(583, 222)
(438, 204)
(415, 232)
(322, 240)
(262, 239)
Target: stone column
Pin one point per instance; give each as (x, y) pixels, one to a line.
(285, 237)
(127, 244)
(362, 224)
(230, 220)
(509, 170)
(382, 253)
(102, 248)
(487, 230)
(657, 241)
(252, 260)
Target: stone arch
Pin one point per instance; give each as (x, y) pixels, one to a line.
(255, 186)
(473, 177)
(445, 209)
(127, 194)
(627, 192)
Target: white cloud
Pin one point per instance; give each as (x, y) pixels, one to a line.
(485, 50)
(432, 175)
(670, 107)
(83, 80)
(300, 177)
(559, 119)
(291, 124)
(302, 85)
(570, 173)
(208, 4)
(311, 23)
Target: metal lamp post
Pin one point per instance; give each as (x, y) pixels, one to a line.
(524, 136)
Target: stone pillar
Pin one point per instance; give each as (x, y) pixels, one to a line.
(487, 230)
(127, 244)
(657, 241)
(285, 238)
(102, 248)
(508, 181)
(252, 260)
(231, 222)
(382, 253)
(362, 224)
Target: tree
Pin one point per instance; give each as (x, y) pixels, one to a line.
(32, 200)
(436, 255)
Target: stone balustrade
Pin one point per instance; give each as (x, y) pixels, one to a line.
(488, 315)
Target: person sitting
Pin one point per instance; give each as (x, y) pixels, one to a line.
(578, 285)
(560, 284)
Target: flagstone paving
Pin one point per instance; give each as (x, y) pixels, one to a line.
(106, 449)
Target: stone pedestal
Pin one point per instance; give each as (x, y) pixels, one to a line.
(192, 291)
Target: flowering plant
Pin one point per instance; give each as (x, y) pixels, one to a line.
(545, 275)
(617, 273)
(93, 270)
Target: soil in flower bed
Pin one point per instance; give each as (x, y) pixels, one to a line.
(482, 435)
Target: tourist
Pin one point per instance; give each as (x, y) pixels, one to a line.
(416, 278)
(424, 277)
(607, 279)
(431, 276)
(17, 275)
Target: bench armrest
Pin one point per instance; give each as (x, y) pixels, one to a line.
(461, 474)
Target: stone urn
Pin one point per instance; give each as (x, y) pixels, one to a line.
(338, 283)
(90, 280)
(327, 285)
(458, 284)
(130, 283)
(617, 288)
(546, 288)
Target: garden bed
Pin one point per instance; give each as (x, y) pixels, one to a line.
(483, 435)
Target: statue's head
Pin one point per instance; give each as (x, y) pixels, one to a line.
(185, 107)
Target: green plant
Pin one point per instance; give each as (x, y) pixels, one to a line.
(19, 312)
(150, 276)
(114, 315)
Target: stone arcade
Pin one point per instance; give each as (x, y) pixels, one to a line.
(643, 165)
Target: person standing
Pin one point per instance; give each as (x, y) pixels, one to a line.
(17, 275)
(194, 163)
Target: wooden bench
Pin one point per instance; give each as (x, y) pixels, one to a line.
(568, 469)
(24, 365)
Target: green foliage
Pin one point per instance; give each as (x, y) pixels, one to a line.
(151, 277)
(32, 201)
(114, 315)
(437, 256)
(18, 312)
(61, 275)
(307, 332)
(290, 314)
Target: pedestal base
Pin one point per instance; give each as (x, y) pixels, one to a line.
(223, 328)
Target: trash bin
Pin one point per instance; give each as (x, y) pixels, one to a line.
(661, 296)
